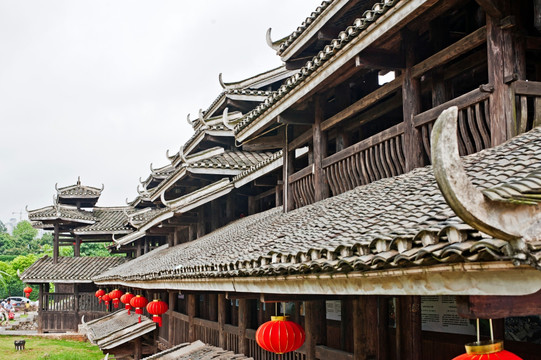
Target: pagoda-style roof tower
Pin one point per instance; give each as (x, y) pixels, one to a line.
(78, 195)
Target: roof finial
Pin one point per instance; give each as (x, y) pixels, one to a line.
(151, 169)
(222, 84)
(225, 119)
(102, 187)
(78, 181)
(271, 43)
(200, 114)
(56, 186)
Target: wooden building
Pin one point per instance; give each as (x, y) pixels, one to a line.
(310, 190)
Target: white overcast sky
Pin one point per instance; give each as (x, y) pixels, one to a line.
(100, 89)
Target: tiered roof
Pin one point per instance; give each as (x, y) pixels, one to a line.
(86, 196)
(69, 269)
(393, 223)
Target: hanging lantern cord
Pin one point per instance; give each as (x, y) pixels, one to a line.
(478, 332)
(491, 330)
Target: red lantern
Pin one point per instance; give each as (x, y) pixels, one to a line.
(115, 295)
(99, 294)
(157, 308)
(107, 299)
(280, 335)
(27, 290)
(139, 302)
(125, 299)
(486, 350)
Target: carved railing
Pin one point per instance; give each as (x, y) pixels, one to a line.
(527, 105)
(231, 338)
(301, 184)
(371, 159)
(473, 122)
(89, 302)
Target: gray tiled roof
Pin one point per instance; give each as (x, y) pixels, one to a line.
(108, 220)
(60, 211)
(394, 222)
(526, 190)
(140, 218)
(277, 155)
(246, 92)
(318, 60)
(79, 191)
(238, 160)
(196, 351)
(309, 20)
(69, 269)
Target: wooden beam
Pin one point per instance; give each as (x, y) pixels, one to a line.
(190, 305)
(278, 298)
(380, 60)
(462, 46)
(491, 7)
(264, 143)
(363, 103)
(296, 118)
(301, 139)
(495, 307)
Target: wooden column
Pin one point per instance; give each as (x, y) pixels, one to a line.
(171, 323)
(138, 348)
(139, 248)
(215, 214)
(56, 243)
(383, 327)
(77, 246)
(365, 327)
(146, 245)
(192, 232)
(201, 231)
(40, 308)
(230, 208)
(221, 319)
(438, 32)
(411, 102)
(498, 103)
(190, 305)
(314, 326)
(176, 236)
(213, 307)
(76, 306)
(252, 205)
(279, 196)
(321, 188)
(343, 100)
(171, 239)
(287, 170)
(244, 319)
(408, 327)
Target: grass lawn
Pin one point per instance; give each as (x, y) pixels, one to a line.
(48, 349)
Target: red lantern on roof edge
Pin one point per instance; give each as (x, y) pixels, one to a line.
(280, 335)
(115, 296)
(492, 349)
(157, 308)
(125, 299)
(99, 294)
(139, 302)
(27, 290)
(106, 298)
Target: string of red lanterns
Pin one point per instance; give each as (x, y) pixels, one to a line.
(106, 298)
(139, 302)
(99, 294)
(27, 290)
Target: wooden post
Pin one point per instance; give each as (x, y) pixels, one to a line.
(287, 169)
(252, 205)
(201, 222)
(171, 239)
(221, 319)
(77, 247)
(215, 214)
(138, 348)
(146, 246)
(279, 196)
(213, 307)
(321, 188)
(229, 208)
(56, 243)
(343, 100)
(383, 327)
(139, 248)
(40, 309)
(365, 323)
(190, 304)
(176, 236)
(497, 103)
(244, 318)
(315, 326)
(76, 306)
(411, 102)
(408, 327)
(171, 323)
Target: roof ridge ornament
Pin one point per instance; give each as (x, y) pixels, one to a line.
(507, 221)
(190, 122)
(274, 45)
(225, 119)
(222, 84)
(78, 180)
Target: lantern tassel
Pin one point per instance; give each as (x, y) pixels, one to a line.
(139, 319)
(157, 319)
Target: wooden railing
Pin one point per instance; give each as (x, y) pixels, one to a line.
(473, 122)
(527, 105)
(88, 302)
(207, 331)
(371, 159)
(58, 302)
(302, 186)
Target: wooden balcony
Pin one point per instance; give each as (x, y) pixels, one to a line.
(384, 154)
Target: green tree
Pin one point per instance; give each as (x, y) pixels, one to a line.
(3, 228)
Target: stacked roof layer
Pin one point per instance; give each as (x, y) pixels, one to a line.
(395, 222)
